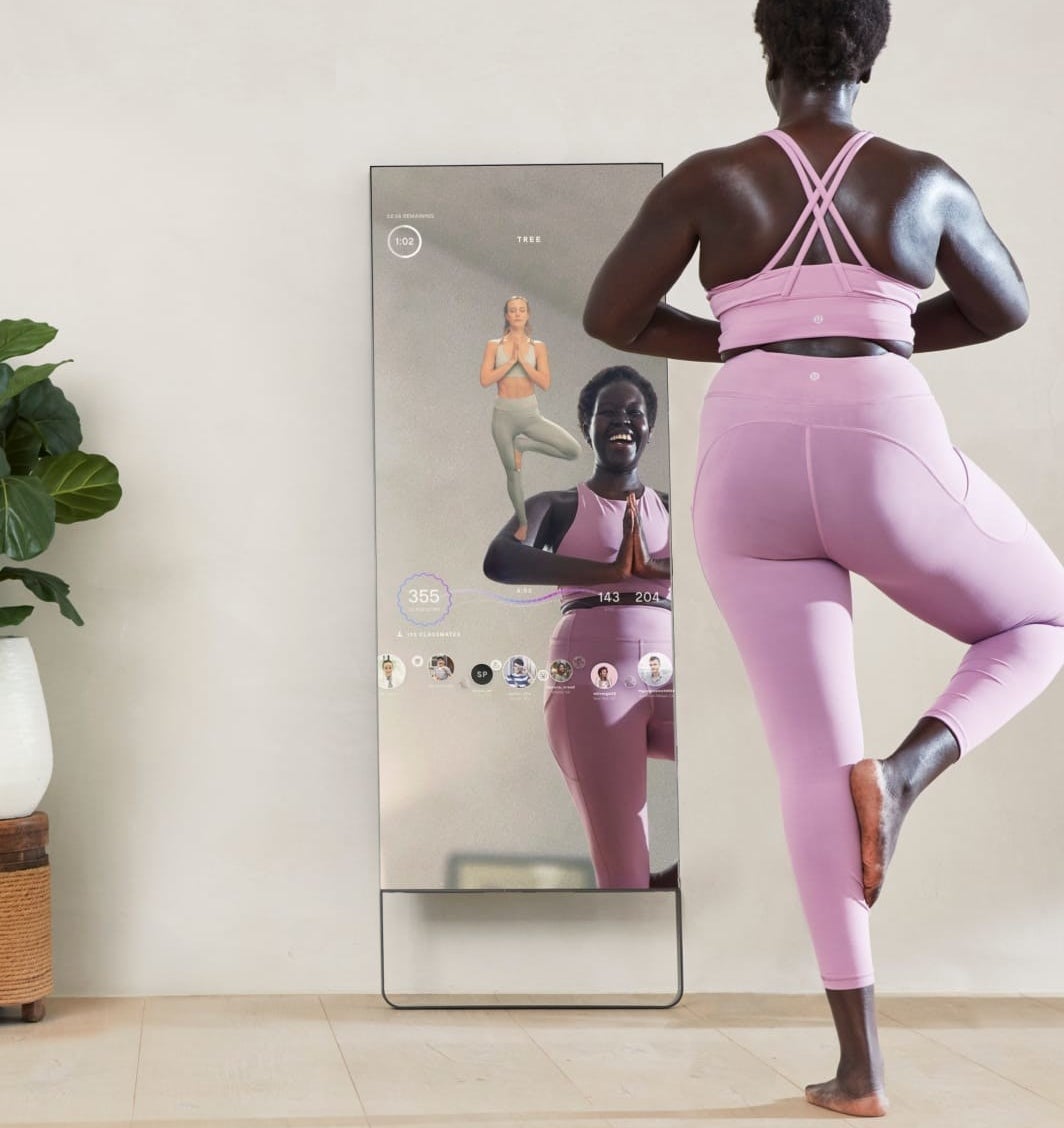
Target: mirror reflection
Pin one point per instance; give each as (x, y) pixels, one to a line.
(524, 656)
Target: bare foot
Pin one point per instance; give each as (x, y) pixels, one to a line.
(517, 459)
(521, 532)
(835, 1096)
(879, 818)
(668, 878)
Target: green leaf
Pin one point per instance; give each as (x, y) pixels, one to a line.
(27, 517)
(26, 376)
(17, 338)
(53, 416)
(5, 466)
(84, 486)
(7, 411)
(47, 587)
(12, 616)
(23, 447)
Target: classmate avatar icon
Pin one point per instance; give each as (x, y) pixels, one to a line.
(560, 670)
(391, 672)
(519, 671)
(603, 675)
(655, 670)
(441, 667)
(481, 674)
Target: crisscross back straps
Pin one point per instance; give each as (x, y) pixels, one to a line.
(820, 202)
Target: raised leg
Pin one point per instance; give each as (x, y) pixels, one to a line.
(974, 569)
(884, 790)
(541, 436)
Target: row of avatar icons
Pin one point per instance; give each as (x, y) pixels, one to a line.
(519, 671)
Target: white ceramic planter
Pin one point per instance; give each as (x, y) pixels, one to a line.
(25, 740)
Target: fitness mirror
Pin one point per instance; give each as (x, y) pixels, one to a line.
(506, 758)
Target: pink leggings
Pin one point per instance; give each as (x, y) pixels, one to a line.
(601, 739)
(810, 469)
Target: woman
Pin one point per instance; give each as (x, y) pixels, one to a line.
(606, 545)
(822, 453)
(517, 365)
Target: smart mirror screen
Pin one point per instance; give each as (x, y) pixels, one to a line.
(520, 745)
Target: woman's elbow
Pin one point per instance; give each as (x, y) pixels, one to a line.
(599, 324)
(1009, 318)
(493, 564)
(1019, 313)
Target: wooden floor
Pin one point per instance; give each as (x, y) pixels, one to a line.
(348, 1061)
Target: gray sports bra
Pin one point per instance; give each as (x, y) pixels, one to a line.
(528, 361)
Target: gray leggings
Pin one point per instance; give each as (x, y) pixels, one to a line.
(516, 424)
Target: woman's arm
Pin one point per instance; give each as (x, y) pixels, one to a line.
(510, 561)
(986, 297)
(625, 307)
(540, 375)
(489, 373)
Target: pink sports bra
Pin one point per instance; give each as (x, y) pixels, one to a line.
(596, 532)
(831, 299)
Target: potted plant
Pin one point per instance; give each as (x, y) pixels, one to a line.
(45, 480)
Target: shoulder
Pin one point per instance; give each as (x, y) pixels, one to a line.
(554, 499)
(923, 169)
(724, 170)
(554, 512)
(660, 495)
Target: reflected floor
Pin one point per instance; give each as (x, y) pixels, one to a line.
(351, 1061)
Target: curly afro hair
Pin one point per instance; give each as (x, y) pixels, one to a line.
(585, 406)
(823, 41)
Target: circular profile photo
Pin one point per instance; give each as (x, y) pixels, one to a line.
(441, 667)
(561, 671)
(519, 671)
(655, 670)
(603, 675)
(391, 673)
(482, 674)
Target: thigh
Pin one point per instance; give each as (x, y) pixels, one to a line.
(551, 434)
(503, 431)
(792, 624)
(936, 535)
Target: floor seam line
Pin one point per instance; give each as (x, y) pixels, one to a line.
(136, 1071)
(343, 1058)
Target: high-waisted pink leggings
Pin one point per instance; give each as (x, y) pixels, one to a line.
(810, 469)
(602, 739)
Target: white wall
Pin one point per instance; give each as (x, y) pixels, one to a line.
(185, 194)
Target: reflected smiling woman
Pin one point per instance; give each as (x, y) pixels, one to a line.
(823, 453)
(605, 543)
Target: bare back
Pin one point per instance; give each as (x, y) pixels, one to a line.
(909, 213)
(747, 197)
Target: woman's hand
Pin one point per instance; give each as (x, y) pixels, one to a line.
(623, 565)
(490, 372)
(643, 564)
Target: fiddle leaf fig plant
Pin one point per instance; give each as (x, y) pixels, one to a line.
(45, 478)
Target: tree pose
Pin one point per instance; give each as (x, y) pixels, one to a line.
(822, 452)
